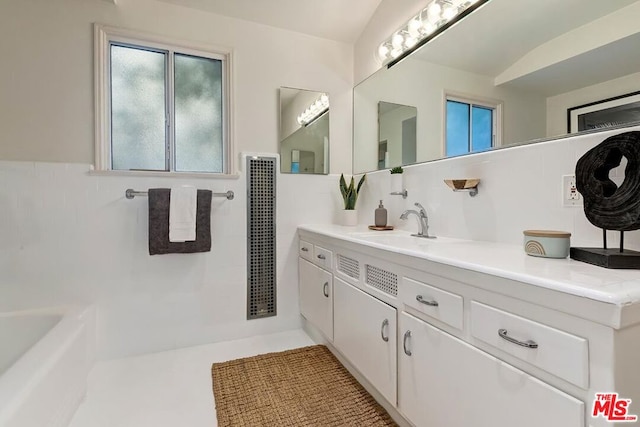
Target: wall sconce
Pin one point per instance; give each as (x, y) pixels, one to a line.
(314, 111)
(426, 25)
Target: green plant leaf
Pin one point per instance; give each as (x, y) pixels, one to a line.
(343, 187)
(350, 193)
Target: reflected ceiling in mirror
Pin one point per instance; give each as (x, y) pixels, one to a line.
(516, 66)
(304, 131)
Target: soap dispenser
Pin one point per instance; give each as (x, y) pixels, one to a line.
(381, 216)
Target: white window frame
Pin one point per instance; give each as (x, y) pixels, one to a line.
(103, 36)
(494, 104)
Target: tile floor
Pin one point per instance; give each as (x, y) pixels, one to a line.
(168, 389)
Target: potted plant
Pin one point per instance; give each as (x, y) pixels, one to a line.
(349, 215)
(396, 179)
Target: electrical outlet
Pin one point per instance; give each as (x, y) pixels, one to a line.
(570, 195)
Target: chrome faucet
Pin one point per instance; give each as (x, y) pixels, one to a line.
(423, 220)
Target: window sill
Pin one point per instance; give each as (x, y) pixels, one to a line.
(158, 174)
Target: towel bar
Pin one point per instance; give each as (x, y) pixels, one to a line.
(131, 193)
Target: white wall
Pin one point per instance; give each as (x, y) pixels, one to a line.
(70, 237)
(520, 189)
(558, 105)
(46, 80)
(67, 236)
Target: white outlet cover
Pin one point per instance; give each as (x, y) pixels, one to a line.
(570, 195)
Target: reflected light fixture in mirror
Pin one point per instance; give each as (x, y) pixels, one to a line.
(304, 131)
(315, 110)
(426, 25)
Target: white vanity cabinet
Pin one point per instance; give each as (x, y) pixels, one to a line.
(444, 381)
(315, 286)
(490, 341)
(365, 333)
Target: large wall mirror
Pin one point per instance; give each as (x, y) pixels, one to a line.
(511, 72)
(304, 131)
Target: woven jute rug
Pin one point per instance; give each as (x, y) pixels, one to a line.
(301, 387)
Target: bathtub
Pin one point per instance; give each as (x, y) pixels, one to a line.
(45, 358)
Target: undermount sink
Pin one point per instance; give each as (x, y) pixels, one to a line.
(397, 238)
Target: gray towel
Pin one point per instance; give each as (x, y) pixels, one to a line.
(159, 224)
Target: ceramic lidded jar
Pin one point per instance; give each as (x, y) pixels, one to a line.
(547, 243)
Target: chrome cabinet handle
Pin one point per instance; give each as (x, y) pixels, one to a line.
(303, 249)
(407, 335)
(385, 323)
(322, 256)
(431, 303)
(325, 289)
(528, 344)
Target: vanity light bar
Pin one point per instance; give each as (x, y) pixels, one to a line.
(315, 110)
(426, 25)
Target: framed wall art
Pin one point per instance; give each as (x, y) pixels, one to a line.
(610, 112)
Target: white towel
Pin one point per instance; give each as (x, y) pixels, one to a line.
(182, 214)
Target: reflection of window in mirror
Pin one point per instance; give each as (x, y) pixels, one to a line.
(472, 125)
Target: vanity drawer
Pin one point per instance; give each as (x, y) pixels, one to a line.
(557, 352)
(322, 257)
(441, 305)
(305, 250)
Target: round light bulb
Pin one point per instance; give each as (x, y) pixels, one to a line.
(449, 12)
(395, 53)
(324, 99)
(428, 28)
(383, 51)
(410, 42)
(300, 121)
(414, 27)
(433, 12)
(397, 40)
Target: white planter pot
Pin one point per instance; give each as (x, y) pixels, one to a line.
(348, 217)
(397, 183)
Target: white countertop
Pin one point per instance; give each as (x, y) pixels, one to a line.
(614, 286)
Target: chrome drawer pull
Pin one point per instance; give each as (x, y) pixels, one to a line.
(304, 249)
(407, 335)
(529, 344)
(322, 256)
(431, 303)
(325, 289)
(385, 323)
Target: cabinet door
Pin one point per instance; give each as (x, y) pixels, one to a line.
(365, 332)
(445, 382)
(316, 296)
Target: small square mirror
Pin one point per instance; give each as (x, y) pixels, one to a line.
(304, 131)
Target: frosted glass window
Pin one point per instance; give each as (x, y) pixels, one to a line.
(470, 128)
(161, 107)
(138, 113)
(198, 114)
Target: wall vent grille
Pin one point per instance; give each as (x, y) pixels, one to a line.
(382, 280)
(261, 237)
(349, 266)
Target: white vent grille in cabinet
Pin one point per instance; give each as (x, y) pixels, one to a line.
(349, 266)
(381, 279)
